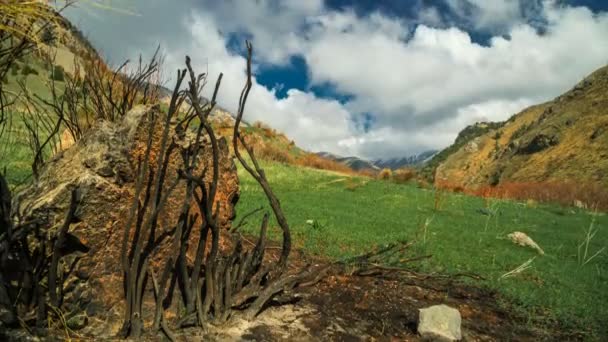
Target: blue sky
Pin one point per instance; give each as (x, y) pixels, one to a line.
(376, 79)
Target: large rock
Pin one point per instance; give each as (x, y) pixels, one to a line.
(439, 323)
(103, 166)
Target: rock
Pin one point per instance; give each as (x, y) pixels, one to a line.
(77, 322)
(439, 323)
(538, 143)
(103, 165)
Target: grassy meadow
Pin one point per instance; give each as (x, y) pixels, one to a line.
(465, 234)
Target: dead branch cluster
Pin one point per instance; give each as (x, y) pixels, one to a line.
(82, 98)
(31, 279)
(23, 28)
(217, 284)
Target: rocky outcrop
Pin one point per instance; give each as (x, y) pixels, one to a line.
(103, 165)
(539, 142)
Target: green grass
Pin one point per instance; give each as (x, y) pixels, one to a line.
(15, 154)
(354, 215)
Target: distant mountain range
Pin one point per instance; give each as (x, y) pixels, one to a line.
(410, 161)
(358, 164)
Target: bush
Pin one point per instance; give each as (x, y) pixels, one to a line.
(260, 125)
(28, 70)
(58, 74)
(565, 192)
(404, 175)
(269, 152)
(385, 174)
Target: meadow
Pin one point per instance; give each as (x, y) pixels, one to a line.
(338, 216)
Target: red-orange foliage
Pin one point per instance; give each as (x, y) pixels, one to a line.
(318, 162)
(563, 192)
(404, 175)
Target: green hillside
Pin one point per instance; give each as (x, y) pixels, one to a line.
(352, 214)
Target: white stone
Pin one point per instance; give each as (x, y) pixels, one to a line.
(439, 323)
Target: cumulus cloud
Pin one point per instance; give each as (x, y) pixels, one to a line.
(316, 124)
(422, 83)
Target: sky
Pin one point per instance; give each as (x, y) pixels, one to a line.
(374, 79)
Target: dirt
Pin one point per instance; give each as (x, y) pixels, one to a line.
(341, 307)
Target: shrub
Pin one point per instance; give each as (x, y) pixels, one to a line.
(404, 175)
(259, 125)
(563, 192)
(352, 185)
(423, 184)
(269, 133)
(58, 74)
(270, 152)
(385, 174)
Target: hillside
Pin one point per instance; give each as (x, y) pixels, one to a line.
(349, 214)
(564, 140)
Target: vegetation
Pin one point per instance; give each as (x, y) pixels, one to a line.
(541, 152)
(465, 235)
(464, 137)
(334, 214)
(385, 174)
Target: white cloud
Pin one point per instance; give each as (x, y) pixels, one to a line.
(422, 83)
(314, 123)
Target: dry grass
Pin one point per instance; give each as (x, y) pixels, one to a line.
(404, 175)
(317, 162)
(568, 193)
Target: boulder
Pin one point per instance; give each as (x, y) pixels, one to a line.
(103, 165)
(439, 323)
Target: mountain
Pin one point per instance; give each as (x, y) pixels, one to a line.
(358, 164)
(410, 161)
(563, 140)
(354, 163)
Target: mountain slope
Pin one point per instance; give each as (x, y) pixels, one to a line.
(562, 140)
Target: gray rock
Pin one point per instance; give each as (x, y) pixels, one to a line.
(439, 323)
(77, 322)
